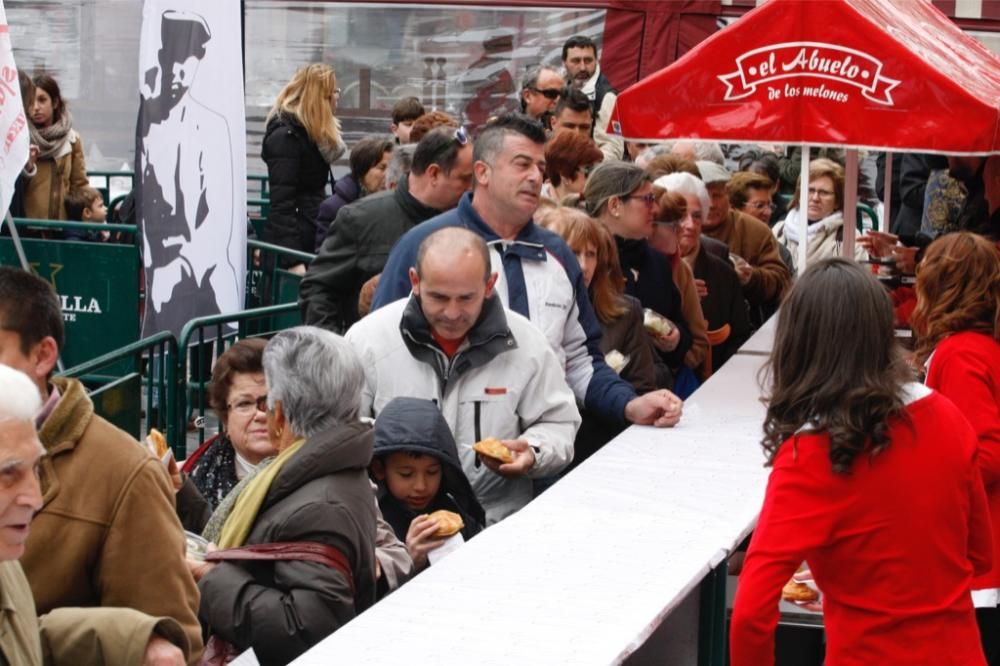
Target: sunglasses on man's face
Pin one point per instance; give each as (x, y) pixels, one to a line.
(549, 93)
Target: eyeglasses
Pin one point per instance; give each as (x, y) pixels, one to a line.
(667, 224)
(247, 407)
(648, 199)
(761, 205)
(548, 93)
(822, 194)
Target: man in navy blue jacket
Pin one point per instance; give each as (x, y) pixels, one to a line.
(539, 276)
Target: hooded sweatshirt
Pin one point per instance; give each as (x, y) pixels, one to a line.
(411, 425)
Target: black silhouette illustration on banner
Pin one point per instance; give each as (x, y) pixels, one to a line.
(185, 190)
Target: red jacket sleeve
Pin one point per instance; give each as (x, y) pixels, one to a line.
(792, 522)
(965, 378)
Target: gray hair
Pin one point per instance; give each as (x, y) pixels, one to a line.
(399, 165)
(530, 78)
(611, 179)
(710, 151)
(19, 398)
(685, 184)
(703, 150)
(317, 377)
(651, 153)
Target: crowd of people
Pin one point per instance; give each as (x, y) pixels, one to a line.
(486, 310)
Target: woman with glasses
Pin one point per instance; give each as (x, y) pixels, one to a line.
(237, 394)
(824, 212)
(301, 143)
(569, 157)
(620, 196)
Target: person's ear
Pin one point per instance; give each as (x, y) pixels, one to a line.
(481, 172)
(433, 173)
(45, 356)
(394, 128)
(414, 281)
(87, 214)
(276, 422)
(378, 469)
(615, 206)
(490, 283)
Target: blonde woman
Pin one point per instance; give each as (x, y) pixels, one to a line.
(301, 142)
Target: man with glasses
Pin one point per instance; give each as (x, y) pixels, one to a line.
(363, 232)
(753, 247)
(539, 277)
(541, 89)
(579, 56)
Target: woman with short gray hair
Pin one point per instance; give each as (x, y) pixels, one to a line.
(315, 490)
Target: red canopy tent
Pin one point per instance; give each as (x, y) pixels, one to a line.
(880, 74)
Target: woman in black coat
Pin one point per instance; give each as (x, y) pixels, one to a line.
(301, 142)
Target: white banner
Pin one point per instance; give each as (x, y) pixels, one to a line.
(13, 124)
(191, 161)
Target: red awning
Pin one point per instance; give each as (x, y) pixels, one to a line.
(883, 74)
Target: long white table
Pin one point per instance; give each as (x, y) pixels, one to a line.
(588, 571)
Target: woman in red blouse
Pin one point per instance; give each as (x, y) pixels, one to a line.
(874, 484)
(957, 321)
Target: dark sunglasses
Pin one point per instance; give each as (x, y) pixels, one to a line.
(549, 93)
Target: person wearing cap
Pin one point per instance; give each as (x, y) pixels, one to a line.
(186, 184)
(761, 271)
(417, 467)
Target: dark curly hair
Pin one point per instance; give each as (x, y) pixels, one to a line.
(835, 367)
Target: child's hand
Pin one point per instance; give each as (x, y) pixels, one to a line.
(420, 539)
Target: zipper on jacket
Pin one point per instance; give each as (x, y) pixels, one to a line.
(476, 411)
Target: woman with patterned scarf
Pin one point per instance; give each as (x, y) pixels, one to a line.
(60, 167)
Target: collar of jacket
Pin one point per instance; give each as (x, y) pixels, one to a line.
(488, 338)
(529, 243)
(68, 421)
(630, 251)
(412, 207)
(337, 449)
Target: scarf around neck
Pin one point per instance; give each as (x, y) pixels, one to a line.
(52, 139)
(830, 222)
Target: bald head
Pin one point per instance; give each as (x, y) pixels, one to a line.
(452, 245)
(452, 280)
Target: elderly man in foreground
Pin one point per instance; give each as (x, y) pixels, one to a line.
(66, 635)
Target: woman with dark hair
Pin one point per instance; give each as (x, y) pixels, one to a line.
(301, 142)
(369, 159)
(957, 322)
(768, 165)
(620, 196)
(59, 167)
(235, 395)
(874, 485)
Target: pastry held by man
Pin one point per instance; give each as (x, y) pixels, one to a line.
(493, 448)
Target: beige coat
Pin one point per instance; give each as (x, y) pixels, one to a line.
(107, 534)
(113, 636)
(47, 189)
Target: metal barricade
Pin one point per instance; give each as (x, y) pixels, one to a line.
(151, 379)
(202, 342)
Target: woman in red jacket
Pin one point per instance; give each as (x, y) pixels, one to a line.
(874, 484)
(957, 321)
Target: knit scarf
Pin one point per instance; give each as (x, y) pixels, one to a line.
(791, 227)
(50, 139)
(238, 512)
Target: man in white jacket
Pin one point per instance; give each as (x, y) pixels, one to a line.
(490, 371)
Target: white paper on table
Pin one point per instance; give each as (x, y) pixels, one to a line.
(450, 545)
(247, 658)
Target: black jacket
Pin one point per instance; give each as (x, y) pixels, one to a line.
(297, 176)
(281, 609)
(648, 277)
(355, 250)
(346, 190)
(411, 425)
(724, 303)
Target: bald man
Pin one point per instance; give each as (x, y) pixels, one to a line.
(489, 370)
